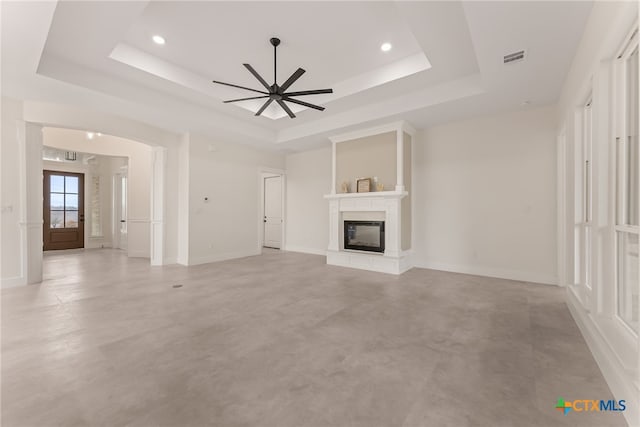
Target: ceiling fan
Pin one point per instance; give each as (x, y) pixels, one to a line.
(277, 92)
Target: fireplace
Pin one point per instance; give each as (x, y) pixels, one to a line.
(364, 235)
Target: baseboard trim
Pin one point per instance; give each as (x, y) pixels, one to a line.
(301, 249)
(620, 383)
(92, 245)
(137, 254)
(12, 282)
(222, 257)
(522, 276)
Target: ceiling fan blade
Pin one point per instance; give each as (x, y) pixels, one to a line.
(264, 107)
(241, 87)
(285, 108)
(305, 104)
(308, 92)
(257, 76)
(245, 99)
(291, 80)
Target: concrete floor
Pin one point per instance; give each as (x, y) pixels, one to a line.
(284, 340)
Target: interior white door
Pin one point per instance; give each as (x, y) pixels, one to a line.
(120, 211)
(273, 212)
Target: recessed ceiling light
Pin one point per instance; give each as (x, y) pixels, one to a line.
(90, 135)
(385, 47)
(158, 40)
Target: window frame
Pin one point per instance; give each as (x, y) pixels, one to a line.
(621, 224)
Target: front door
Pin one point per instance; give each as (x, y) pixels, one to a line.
(63, 210)
(273, 212)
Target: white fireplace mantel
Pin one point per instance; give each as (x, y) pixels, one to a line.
(380, 204)
(370, 195)
(388, 203)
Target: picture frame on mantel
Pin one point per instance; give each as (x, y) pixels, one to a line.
(363, 185)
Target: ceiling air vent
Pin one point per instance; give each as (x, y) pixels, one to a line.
(514, 57)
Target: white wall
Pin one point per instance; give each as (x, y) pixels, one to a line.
(139, 157)
(486, 196)
(22, 216)
(10, 198)
(307, 212)
(228, 174)
(227, 226)
(183, 200)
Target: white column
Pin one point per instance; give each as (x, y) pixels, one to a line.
(334, 225)
(158, 169)
(30, 157)
(393, 228)
(333, 168)
(183, 199)
(399, 160)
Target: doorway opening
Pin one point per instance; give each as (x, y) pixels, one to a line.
(119, 203)
(148, 167)
(84, 202)
(272, 220)
(63, 209)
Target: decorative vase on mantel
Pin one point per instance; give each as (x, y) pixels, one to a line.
(377, 185)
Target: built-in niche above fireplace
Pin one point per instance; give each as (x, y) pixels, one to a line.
(364, 235)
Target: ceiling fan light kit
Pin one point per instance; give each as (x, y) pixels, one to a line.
(275, 92)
